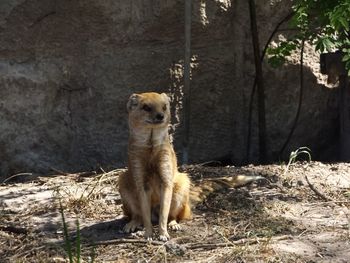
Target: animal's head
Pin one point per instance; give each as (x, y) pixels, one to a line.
(149, 109)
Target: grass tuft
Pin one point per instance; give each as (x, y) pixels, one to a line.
(295, 154)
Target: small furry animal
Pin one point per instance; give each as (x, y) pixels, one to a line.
(152, 183)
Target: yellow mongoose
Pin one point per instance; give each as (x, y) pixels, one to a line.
(152, 180)
(152, 183)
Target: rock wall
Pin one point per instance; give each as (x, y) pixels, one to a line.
(68, 67)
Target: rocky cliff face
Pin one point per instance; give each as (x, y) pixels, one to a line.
(67, 69)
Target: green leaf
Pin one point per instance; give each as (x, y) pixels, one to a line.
(347, 66)
(271, 51)
(346, 57)
(325, 24)
(328, 44)
(319, 46)
(78, 242)
(344, 22)
(276, 61)
(68, 245)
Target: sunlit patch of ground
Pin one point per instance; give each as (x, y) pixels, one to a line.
(281, 219)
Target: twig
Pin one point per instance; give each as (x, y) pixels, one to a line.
(126, 241)
(301, 86)
(59, 171)
(28, 251)
(329, 202)
(15, 175)
(317, 192)
(190, 245)
(41, 18)
(285, 19)
(103, 171)
(86, 174)
(208, 163)
(69, 88)
(259, 84)
(80, 174)
(249, 241)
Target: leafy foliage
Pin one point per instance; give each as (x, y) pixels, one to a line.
(324, 23)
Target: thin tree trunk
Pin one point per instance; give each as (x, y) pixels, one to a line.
(260, 84)
(187, 75)
(344, 118)
(285, 19)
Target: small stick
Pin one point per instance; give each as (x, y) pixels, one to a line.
(28, 252)
(59, 171)
(126, 241)
(329, 202)
(317, 192)
(189, 245)
(242, 241)
(15, 175)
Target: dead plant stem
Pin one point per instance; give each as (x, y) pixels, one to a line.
(317, 192)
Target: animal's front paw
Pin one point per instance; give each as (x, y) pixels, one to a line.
(132, 226)
(164, 236)
(173, 225)
(148, 234)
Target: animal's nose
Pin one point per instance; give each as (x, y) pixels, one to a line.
(160, 116)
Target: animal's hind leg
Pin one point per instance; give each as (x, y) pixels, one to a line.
(174, 225)
(180, 207)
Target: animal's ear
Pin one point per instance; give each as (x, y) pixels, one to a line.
(166, 96)
(132, 102)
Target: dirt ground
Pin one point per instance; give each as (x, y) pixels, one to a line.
(281, 219)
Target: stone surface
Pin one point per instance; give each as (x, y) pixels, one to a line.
(67, 69)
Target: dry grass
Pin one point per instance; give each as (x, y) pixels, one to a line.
(248, 224)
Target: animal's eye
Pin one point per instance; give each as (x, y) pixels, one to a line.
(146, 108)
(164, 107)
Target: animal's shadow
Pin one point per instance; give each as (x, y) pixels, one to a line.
(110, 230)
(104, 231)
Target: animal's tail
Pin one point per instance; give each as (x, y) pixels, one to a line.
(204, 188)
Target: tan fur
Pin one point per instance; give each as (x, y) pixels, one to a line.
(208, 185)
(152, 182)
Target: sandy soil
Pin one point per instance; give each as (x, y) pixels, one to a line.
(281, 219)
